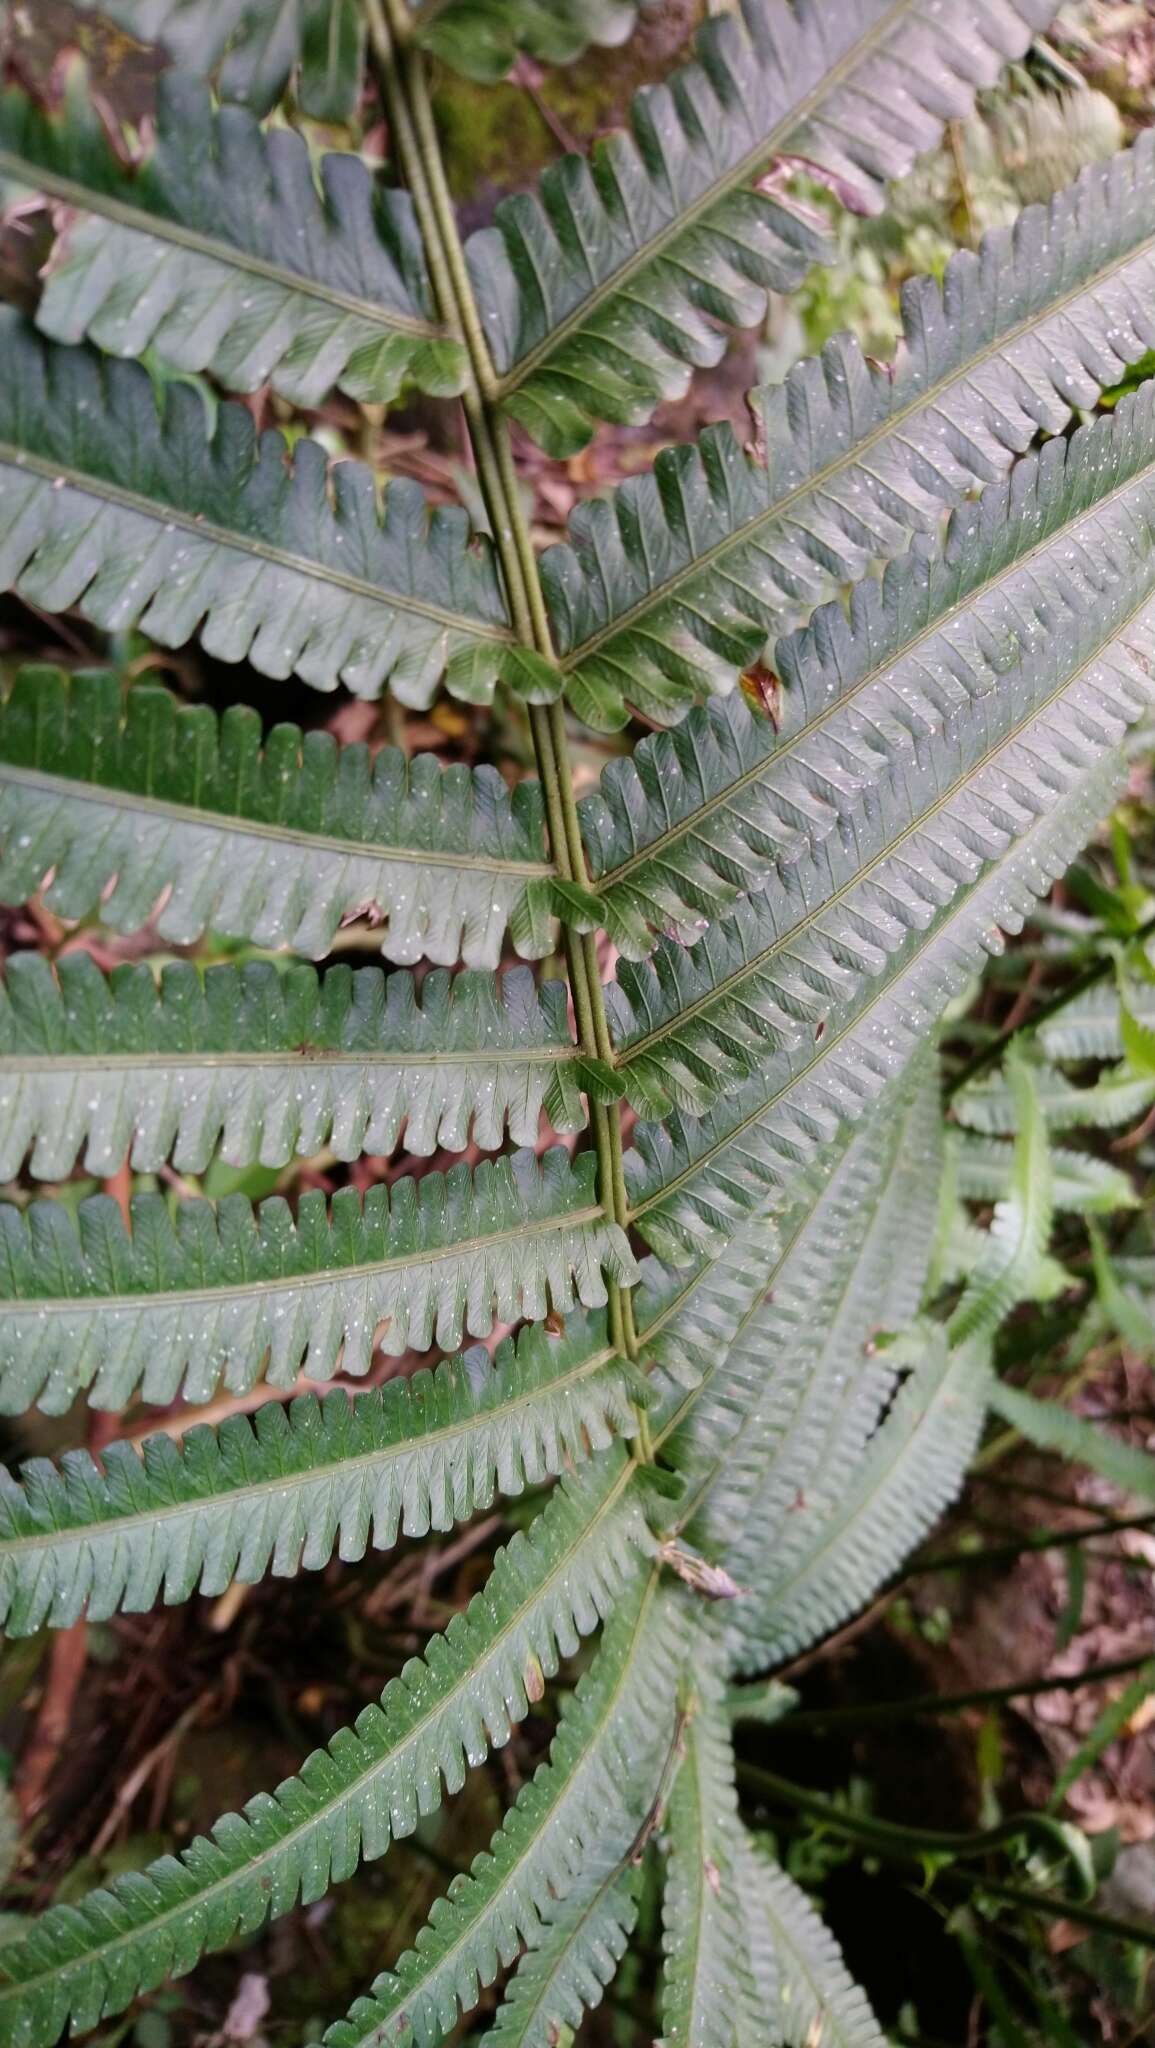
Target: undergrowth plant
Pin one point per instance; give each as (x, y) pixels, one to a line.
(711, 1274)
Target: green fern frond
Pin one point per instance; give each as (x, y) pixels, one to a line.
(670, 588)
(254, 48)
(285, 1490)
(826, 1559)
(1119, 1096)
(231, 1294)
(1020, 1230)
(483, 38)
(593, 1797)
(969, 726)
(708, 1991)
(601, 297)
(817, 2001)
(1051, 1427)
(219, 250)
(1089, 1027)
(550, 1587)
(1079, 1182)
(125, 803)
(136, 513)
(566, 1975)
(790, 1405)
(270, 1065)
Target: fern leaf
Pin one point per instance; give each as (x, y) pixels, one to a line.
(969, 721)
(824, 986)
(670, 588)
(708, 1995)
(1020, 1230)
(593, 1796)
(1090, 1025)
(790, 1405)
(1051, 1427)
(369, 1787)
(129, 806)
(1119, 1096)
(818, 2004)
(601, 297)
(482, 38)
(232, 1294)
(839, 1548)
(255, 47)
(1079, 1182)
(219, 250)
(562, 1979)
(284, 1491)
(136, 514)
(269, 1064)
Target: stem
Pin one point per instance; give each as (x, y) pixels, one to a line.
(401, 75)
(819, 1718)
(908, 1843)
(1043, 1539)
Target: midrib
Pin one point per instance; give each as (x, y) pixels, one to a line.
(196, 524)
(923, 401)
(767, 146)
(336, 1469)
(308, 1056)
(334, 1276)
(254, 1865)
(160, 227)
(237, 826)
(894, 846)
(931, 937)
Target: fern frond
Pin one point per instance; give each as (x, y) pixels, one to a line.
(1020, 1229)
(136, 514)
(826, 1560)
(231, 1294)
(126, 804)
(817, 2002)
(708, 1992)
(566, 1975)
(1118, 1096)
(268, 1064)
(592, 1797)
(825, 984)
(601, 297)
(1079, 1182)
(219, 250)
(550, 1587)
(670, 588)
(1089, 1027)
(285, 1490)
(255, 47)
(483, 38)
(1051, 1427)
(800, 1388)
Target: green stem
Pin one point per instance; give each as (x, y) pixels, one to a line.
(1043, 1539)
(907, 1842)
(819, 1718)
(401, 74)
